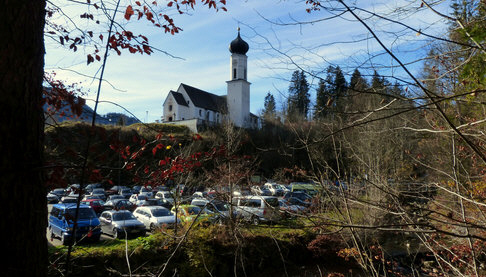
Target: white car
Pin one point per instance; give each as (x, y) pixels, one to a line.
(137, 197)
(154, 217)
(212, 206)
(258, 209)
(274, 188)
(165, 196)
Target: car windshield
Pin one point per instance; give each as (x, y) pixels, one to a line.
(123, 216)
(161, 212)
(84, 213)
(221, 207)
(98, 203)
(272, 202)
(69, 200)
(121, 202)
(193, 210)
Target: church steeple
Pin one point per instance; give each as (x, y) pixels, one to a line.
(238, 48)
(238, 98)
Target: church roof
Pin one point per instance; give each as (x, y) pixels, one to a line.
(179, 98)
(205, 100)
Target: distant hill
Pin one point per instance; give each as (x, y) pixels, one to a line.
(65, 114)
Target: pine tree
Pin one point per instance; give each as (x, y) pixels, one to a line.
(331, 95)
(270, 109)
(322, 98)
(299, 97)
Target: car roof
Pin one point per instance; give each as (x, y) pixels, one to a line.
(117, 211)
(152, 208)
(69, 205)
(258, 197)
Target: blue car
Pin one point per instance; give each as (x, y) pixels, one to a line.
(61, 221)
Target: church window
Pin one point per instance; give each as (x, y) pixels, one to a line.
(245, 73)
(200, 112)
(234, 73)
(170, 108)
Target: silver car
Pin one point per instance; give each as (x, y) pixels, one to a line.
(121, 224)
(154, 217)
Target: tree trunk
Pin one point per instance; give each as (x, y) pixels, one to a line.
(22, 193)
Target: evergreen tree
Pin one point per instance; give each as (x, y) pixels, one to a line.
(299, 97)
(331, 95)
(322, 98)
(270, 109)
(339, 89)
(357, 83)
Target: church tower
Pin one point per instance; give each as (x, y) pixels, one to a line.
(238, 98)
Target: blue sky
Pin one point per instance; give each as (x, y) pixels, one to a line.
(278, 46)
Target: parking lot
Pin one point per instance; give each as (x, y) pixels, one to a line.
(268, 203)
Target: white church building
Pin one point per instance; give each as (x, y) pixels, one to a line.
(197, 108)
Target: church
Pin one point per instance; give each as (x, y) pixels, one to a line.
(197, 108)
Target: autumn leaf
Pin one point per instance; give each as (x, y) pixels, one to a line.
(90, 59)
(129, 12)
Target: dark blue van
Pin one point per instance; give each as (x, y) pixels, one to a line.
(61, 221)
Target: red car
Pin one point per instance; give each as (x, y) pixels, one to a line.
(96, 204)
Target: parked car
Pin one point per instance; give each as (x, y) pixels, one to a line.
(73, 188)
(125, 192)
(119, 204)
(96, 204)
(298, 194)
(165, 196)
(136, 189)
(99, 192)
(114, 196)
(60, 192)
(69, 199)
(212, 206)
(257, 190)
(149, 202)
(90, 187)
(257, 209)
(114, 190)
(121, 224)
(297, 201)
(290, 210)
(274, 188)
(189, 213)
(61, 222)
(154, 217)
(309, 187)
(146, 191)
(91, 197)
(52, 198)
(137, 197)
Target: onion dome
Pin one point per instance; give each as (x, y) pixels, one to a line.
(238, 45)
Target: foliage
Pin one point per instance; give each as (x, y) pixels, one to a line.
(299, 97)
